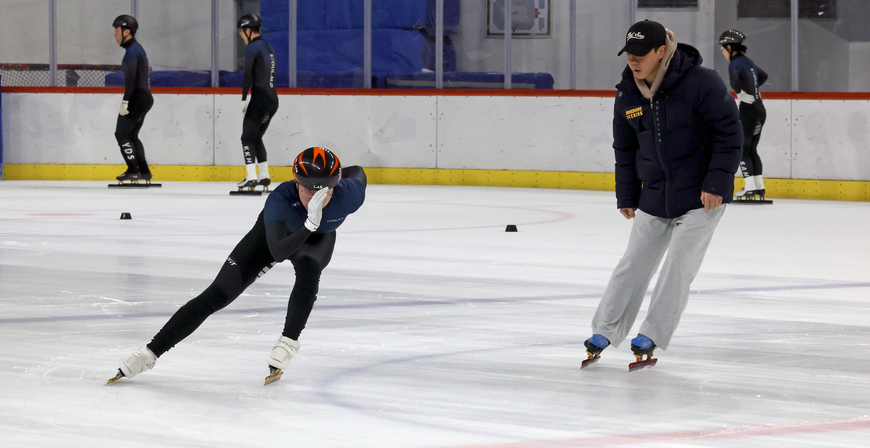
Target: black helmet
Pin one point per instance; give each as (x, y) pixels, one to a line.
(125, 21)
(731, 37)
(251, 21)
(317, 168)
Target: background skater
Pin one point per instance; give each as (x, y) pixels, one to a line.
(677, 141)
(745, 78)
(137, 100)
(298, 224)
(260, 80)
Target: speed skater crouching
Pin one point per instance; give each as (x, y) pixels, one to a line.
(298, 223)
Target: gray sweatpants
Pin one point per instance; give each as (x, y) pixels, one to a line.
(685, 239)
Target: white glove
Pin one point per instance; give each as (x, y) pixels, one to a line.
(124, 110)
(744, 97)
(315, 209)
(245, 106)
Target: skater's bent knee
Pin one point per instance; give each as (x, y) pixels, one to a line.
(307, 265)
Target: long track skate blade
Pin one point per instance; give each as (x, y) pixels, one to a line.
(641, 364)
(115, 378)
(274, 375)
(588, 362)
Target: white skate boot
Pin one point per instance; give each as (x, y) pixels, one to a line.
(748, 189)
(285, 349)
(141, 361)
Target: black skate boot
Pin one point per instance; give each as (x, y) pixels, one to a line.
(642, 346)
(129, 176)
(265, 182)
(594, 346)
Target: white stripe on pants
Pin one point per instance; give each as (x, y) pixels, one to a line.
(685, 239)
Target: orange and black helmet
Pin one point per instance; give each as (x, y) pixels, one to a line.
(317, 168)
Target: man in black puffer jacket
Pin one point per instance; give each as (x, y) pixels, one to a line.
(678, 142)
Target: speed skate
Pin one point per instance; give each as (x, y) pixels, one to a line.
(248, 187)
(642, 346)
(751, 200)
(641, 363)
(134, 181)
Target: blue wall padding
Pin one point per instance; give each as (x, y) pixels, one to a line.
(167, 78)
(451, 16)
(337, 51)
(348, 14)
(404, 14)
(469, 80)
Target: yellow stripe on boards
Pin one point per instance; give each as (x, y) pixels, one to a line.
(776, 188)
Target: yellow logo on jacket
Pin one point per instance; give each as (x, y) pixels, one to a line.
(634, 113)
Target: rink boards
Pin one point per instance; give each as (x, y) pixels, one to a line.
(803, 139)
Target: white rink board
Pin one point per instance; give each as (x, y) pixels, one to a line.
(821, 139)
(376, 131)
(59, 128)
(774, 148)
(525, 133)
(844, 129)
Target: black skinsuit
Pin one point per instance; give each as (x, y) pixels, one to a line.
(137, 91)
(260, 79)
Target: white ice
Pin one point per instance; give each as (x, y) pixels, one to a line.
(433, 327)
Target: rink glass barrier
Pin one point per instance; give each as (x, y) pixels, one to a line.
(559, 45)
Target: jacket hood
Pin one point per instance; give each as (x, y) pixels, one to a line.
(685, 58)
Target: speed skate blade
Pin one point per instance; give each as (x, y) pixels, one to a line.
(115, 378)
(588, 362)
(641, 364)
(752, 201)
(246, 193)
(128, 185)
(138, 185)
(274, 375)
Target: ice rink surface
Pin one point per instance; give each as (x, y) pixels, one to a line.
(433, 327)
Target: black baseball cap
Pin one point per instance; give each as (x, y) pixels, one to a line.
(643, 37)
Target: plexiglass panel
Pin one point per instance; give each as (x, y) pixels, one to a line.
(834, 44)
(177, 37)
(768, 42)
(540, 42)
(86, 46)
(24, 49)
(600, 29)
(329, 42)
(833, 41)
